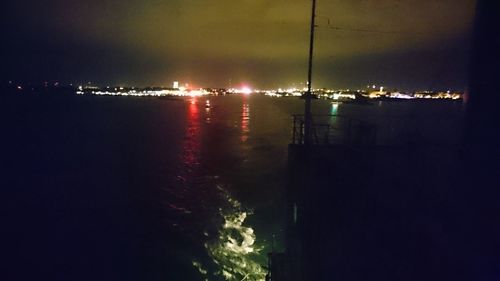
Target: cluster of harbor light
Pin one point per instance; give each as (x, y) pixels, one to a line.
(338, 95)
(290, 92)
(153, 92)
(383, 93)
(348, 94)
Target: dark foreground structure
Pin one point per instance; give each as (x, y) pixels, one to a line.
(372, 212)
(362, 209)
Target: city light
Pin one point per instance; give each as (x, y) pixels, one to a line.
(246, 90)
(340, 95)
(181, 92)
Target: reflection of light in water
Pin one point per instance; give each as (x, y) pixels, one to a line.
(245, 120)
(207, 111)
(191, 145)
(335, 107)
(189, 161)
(334, 111)
(235, 251)
(200, 268)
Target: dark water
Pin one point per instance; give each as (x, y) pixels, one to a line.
(111, 188)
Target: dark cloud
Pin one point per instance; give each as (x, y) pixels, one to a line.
(212, 42)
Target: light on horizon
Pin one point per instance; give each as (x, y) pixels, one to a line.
(246, 90)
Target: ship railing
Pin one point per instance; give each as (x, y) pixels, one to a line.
(333, 129)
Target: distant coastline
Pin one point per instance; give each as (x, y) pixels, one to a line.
(342, 95)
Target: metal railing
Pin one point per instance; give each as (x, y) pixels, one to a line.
(387, 130)
(334, 129)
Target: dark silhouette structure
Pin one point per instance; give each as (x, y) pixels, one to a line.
(357, 211)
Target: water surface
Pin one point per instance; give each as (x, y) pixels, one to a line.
(117, 188)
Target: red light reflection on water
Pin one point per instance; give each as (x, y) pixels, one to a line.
(191, 145)
(245, 120)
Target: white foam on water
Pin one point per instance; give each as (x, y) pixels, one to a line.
(235, 250)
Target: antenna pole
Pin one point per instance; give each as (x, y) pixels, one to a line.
(308, 96)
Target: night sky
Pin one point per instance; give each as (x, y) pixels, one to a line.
(413, 44)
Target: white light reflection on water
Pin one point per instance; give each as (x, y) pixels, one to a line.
(235, 251)
(335, 108)
(245, 120)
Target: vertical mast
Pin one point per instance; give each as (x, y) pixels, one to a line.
(308, 95)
